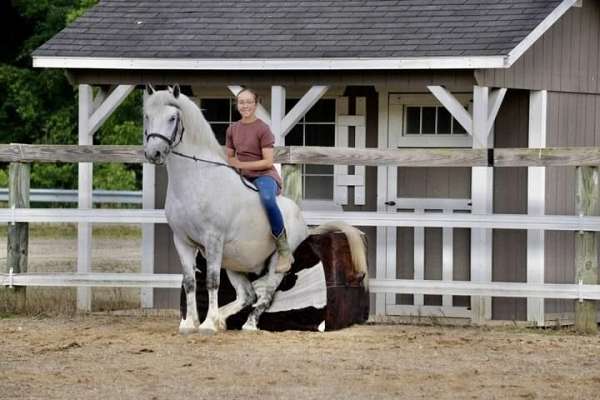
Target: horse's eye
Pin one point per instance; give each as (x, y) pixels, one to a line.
(172, 119)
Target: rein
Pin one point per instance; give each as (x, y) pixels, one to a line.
(197, 159)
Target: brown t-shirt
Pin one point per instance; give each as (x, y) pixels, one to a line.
(248, 140)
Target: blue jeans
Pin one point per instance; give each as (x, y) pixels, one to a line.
(267, 190)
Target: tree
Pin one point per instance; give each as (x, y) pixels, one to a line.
(40, 106)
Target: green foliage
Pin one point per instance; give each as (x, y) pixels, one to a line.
(3, 178)
(40, 106)
(114, 177)
(54, 176)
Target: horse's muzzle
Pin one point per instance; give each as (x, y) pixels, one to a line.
(156, 156)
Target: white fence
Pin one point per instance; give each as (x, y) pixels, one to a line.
(70, 196)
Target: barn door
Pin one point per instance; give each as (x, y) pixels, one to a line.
(426, 253)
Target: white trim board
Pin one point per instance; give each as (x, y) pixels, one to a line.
(534, 35)
(473, 62)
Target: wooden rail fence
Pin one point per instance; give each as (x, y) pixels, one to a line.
(586, 223)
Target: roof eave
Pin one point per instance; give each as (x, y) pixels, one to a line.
(539, 30)
(468, 62)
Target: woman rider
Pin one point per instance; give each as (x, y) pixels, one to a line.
(249, 144)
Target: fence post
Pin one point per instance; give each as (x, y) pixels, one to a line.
(292, 181)
(586, 245)
(18, 233)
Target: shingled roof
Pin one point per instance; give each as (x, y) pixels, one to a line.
(314, 29)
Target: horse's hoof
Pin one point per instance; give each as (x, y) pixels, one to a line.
(186, 328)
(206, 331)
(249, 327)
(187, 331)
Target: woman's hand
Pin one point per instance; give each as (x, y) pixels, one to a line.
(234, 162)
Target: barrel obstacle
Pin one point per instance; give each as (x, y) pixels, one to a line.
(321, 291)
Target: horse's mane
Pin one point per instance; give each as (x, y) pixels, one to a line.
(198, 131)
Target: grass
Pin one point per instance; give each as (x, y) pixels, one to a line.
(69, 231)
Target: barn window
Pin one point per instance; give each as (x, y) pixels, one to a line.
(430, 120)
(220, 113)
(317, 128)
(419, 120)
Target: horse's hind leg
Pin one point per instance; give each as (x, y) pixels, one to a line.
(244, 291)
(265, 289)
(187, 255)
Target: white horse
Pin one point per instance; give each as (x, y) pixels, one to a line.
(209, 209)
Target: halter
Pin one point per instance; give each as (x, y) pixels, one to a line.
(171, 142)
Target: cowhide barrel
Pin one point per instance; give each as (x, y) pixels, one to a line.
(325, 257)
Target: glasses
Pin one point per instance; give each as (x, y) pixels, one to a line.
(246, 103)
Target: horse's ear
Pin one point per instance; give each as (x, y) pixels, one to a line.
(176, 91)
(149, 89)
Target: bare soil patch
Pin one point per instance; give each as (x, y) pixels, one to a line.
(143, 357)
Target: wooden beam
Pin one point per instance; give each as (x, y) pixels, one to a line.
(85, 178)
(586, 247)
(424, 157)
(105, 110)
(18, 233)
(301, 108)
(496, 98)
(482, 182)
(261, 111)
(458, 111)
(536, 204)
(277, 113)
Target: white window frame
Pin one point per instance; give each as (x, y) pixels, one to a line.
(397, 105)
(303, 172)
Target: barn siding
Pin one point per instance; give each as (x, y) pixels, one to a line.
(573, 120)
(564, 59)
(510, 196)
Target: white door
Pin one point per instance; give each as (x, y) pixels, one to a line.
(426, 253)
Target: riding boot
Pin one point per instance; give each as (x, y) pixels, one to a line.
(284, 253)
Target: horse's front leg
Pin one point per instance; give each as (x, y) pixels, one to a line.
(187, 255)
(214, 256)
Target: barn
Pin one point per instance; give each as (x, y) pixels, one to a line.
(375, 74)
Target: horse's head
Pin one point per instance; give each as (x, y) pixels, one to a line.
(163, 123)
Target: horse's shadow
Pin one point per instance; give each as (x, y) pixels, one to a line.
(347, 299)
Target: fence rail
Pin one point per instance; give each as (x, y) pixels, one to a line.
(407, 157)
(437, 287)
(356, 218)
(70, 196)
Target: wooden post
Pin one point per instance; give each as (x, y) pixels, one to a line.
(586, 245)
(292, 181)
(18, 233)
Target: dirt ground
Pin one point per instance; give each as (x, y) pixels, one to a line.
(143, 357)
(49, 354)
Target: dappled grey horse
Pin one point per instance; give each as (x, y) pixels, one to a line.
(210, 210)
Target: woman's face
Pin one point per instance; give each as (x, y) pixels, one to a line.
(246, 104)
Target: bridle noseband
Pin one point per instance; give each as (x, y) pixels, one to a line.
(170, 140)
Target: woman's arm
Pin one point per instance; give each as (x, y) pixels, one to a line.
(265, 163)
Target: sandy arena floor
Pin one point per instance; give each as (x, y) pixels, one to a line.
(143, 357)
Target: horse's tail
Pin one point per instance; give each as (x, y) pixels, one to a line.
(357, 243)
